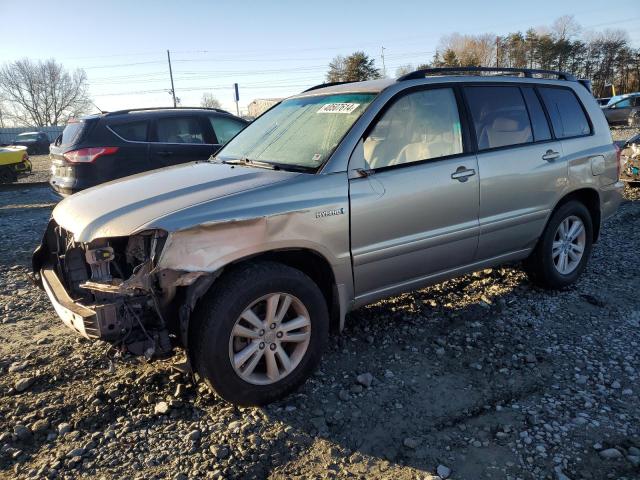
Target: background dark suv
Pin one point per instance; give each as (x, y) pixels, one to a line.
(98, 148)
(37, 143)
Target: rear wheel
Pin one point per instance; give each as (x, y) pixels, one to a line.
(564, 249)
(259, 333)
(7, 175)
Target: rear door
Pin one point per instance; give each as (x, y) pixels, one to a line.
(416, 213)
(521, 166)
(180, 139)
(133, 148)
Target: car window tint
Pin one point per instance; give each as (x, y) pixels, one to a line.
(538, 119)
(133, 131)
(179, 130)
(626, 103)
(567, 117)
(72, 132)
(225, 128)
(418, 126)
(500, 117)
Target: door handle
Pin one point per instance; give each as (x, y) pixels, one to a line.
(164, 153)
(550, 155)
(462, 174)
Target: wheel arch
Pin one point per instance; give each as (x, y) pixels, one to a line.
(310, 262)
(590, 198)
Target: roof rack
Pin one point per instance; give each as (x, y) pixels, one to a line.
(322, 85)
(526, 72)
(118, 112)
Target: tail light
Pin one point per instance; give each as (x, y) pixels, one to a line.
(618, 159)
(88, 155)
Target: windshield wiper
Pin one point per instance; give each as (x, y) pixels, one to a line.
(270, 165)
(251, 163)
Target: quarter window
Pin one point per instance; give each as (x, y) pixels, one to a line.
(180, 130)
(500, 116)
(419, 126)
(567, 117)
(133, 131)
(536, 115)
(225, 128)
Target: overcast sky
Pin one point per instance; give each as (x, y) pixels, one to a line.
(272, 49)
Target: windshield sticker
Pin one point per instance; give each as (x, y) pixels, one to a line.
(338, 108)
(316, 157)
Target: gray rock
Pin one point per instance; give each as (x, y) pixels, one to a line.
(76, 452)
(24, 383)
(559, 474)
(610, 453)
(443, 472)
(64, 428)
(22, 432)
(365, 379)
(411, 443)
(40, 426)
(194, 435)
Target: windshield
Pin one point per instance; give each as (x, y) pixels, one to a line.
(27, 136)
(301, 132)
(615, 99)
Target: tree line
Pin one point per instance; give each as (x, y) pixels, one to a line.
(606, 58)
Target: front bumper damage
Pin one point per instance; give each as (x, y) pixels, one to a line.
(111, 290)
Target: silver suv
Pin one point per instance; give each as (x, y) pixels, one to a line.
(333, 199)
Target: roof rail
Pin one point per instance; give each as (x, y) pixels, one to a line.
(527, 72)
(322, 85)
(117, 112)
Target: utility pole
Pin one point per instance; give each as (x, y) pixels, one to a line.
(384, 69)
(236, 98)
(173, 90)
(497, 52)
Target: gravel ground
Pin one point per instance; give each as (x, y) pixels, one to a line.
(482, 377)
(41, 169)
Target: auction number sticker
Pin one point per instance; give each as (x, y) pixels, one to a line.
(338, 108)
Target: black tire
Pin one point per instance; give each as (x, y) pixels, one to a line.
(540, 267)
(7, 175)
(216, 313)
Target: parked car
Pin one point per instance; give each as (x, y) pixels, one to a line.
(619, 108)
(603, 100)
(335, 198)
(99, 148)
(37, 143)
(14, 162)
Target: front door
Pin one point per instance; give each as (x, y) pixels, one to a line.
(181, 139)
(415, 212)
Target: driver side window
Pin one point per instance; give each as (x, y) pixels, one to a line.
(418, 126)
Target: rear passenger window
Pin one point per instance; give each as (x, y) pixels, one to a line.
(536, 115)
(225, 128)
(179, 130)
(567, 117)
(500, 117)
(134, 131)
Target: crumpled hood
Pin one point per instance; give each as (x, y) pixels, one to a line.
(122, 207)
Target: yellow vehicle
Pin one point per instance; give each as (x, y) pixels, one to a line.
(14, 162)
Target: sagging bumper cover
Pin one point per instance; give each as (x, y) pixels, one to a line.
(125, 308)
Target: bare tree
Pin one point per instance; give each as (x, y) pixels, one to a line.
(404, 69)
(42, 93)
(209, 101)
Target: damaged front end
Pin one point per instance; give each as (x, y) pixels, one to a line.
(108, 289)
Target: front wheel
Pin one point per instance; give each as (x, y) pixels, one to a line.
(564, 248)
(259, 332)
